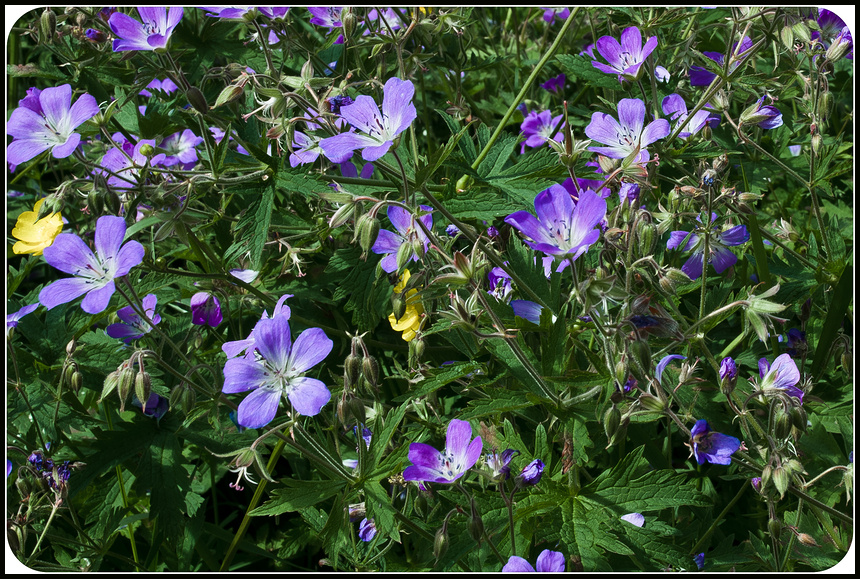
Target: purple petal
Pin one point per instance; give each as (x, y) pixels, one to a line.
(130, 33)
(69, 254)
(636, 519)
(67, 148)
(424, 455)
(110, 232)
(785, 371)
(631, 41)
(397, 104)
(63, 291)
(529, 226)
(130, 255)
(82, 110)
(372, 153)
(676, 238)
(610, 49)
(309, 349)
(693, 266)
(259, 408)
(517, 565)
(339, 148)
(723, 259)
(763, 367)
(631, 114)
(603, 129)
(550, 562)
(98, 299)
(241, 374)
(590, 210)
(655, 130)
(274, 341)
(458, 437)
(123, 332)
(363, 114)
(308, 395)
(387, 242)
(661, 365)
(554, 208)
(527, 310)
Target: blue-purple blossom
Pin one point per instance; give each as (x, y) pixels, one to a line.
(327, 16)
(181, 149)
(166, 86)
(636, 519)
(377, 129)
(122, 172)
(702, 77)
(661, 74)
(700, 561)
(94, 273)
(500, 463)
(528, 310)
(629, 136)
(46, 121)
(388, 243)
(718, 245)
(555, 84)
(153, 32)
(236, 347)
(226, 12)
(381, 23)
(94, 35)
(765, 116)
(156, 406)
(279, 371)
(205, 310)
(728, 369)
(561, 229)
(582, 185)
(46, 468)
(460, 454)
(537, 129)
(796, 343)
(500, 284)
(675, 108)
(550, 14)
(531, 473)
(452, 230)
(629, 190)
(547, 562)
(627, 57)
(246, 275)
(661, 365)
(132, 325)
(12, 319)
(782, 375)
(712, 447)
(366, 530)
(336, 102)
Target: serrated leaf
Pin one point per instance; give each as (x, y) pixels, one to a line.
(254, 223)
(438, 378)
(296, 495)
(438, 157)
(580, 68)
(499, 401)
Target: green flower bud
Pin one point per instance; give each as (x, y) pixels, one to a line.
(464, 183)
(774, 527)
(786, 35)
(766, 474)
(611, 422)
(147, 150)
(196, 100)
(825, 105)
(349, 22)
(418, 346)
(370, 369)
(781, 480)
(189, 399)
(781, 422)
(404, 254)
(110, 384)
(126, 382)
(230, 93)
(801, 32)
(647, 236)
(476, 524)
(367, 230)
(112, 202)
(621, 372)
(398, 305)
(651, 403)
(351, 370)
(640, 355)
(356, 407)
(440, 542)
(53, 203)
(47, 26)
(95, 202)
(142, 387)
(77, 381)
(798, 418)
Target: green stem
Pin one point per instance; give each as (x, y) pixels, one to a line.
(526, 87)
(122, 492)
(719, 518)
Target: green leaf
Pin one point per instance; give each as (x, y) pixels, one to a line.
(580, 68)
(355, 280)
(501, 400)
(438, 157)
(296, 495)
(439, 377)
(482, 204)
(254, 223)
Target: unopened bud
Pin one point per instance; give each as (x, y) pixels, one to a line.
(806, 540)
(53, 203)
(367, 230)
(774, 527)
(801, 32)
(349, 22)
(440, 543)
(781, 423)
(341, 216)
(351, 370)
(825, 105)
(356, 407)
(607, 165)
(228, 95)
(404, 254)
(840, 46)
(197, 100)
(651, 403)
(142, 387)
(766, 474)
(798, 418)
(787, 37)
(398, 305)
(147, 150)
(71, 346)
(781, 480)
(418, 346)
(476, 524)
(647, 236)
(370, 369)
(621, 372)
(48, 26)
(126, 383)
(189, 399)
(77, 381)
(611, 421)
(417, 247)
(640, 355)
(110, 384)
(95, 202)
(816, 143)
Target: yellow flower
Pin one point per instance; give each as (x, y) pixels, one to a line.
(413, 316)
(34, 234)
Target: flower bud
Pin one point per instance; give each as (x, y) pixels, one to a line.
(142, 387)
(349, 22)
(341, 216)
(728, 375)
(404, 254)
(621, 372)
(230, 93)
(756, 483)
(189, 399)
(418, 347)
(798, 418)
(640, 355)
(611, 421)
(774, 527)
(147, 150)
(816, 143)
(476, 524)
(77, 381)
(766, 474)
(806, 540)
(356, 407)
(440, 543)
(398, 305)
(110, 384)
(801, 31)
(95, 202)
(651, 403)
(196, 100)
(47, 26)
(786, 35)
(825, 105)
(417, 247)
(370, 370)
(781, 423)
(840, 46)
(367, 230)
(176, 394)
(351, 370)
(780, 480)
(53, 203)
(646, 234)
(126, 383)
(531, 473)
(464, 183)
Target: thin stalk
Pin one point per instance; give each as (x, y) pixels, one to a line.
(719, 518)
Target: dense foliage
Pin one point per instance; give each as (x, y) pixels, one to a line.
(453, 289)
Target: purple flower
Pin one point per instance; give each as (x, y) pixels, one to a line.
(561, 229)
(676, 109)
(531, 474)
(452, 230)
(46, 120)
(205, 310)
(460, 454)
(236, 347)
(661, 74)
(661, 365)
(721, 256)
(701, 77)
(388, 243)
(728, 369)
(635, 519)
(94, 35)
(246, 275)
(132, 325)
(714, 447)
(153, 32)
(366, 530)
(500, 463)
(550, 14)
(181, 148)
(126, 171)
(555, 84)
(783, 375)
(328, 16)
(377, 22)
(166, 86)
(582, 185)
(378, 129)
(273, 12)
(338, 101)
(227, 12)
(756, 483)
(527, 310)
(627, 57)
(628, 137)
(500, 284)
(279, 371)
(765, 116)
(700, 561)
(547, 562)
(156, 406)
(796, 343)
(94, 273)
(537, 128)
(629, 190)
(829, 22)
(12, 319)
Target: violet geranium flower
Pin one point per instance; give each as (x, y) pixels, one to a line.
(181, 148)
(46, 120)
(555, 84)
(627, 135)
(500, 463)
(327, 16)
(378, 128)
(561, 229)
(205, 310)
(676, 109)
(714, 447)
(782, 375)
(94, 273)
(389, 243)
(153, 32)
(122, 172)
(661, 365)
(13, 319)
(765, 116)
(537, 129)
(627, 57)
(702, 77)
(721, 256)
(460, 454)
(547, 562)
(279, 371)
(132, 325)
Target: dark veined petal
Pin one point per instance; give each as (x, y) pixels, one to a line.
(241, 375)
(98, 299)
(259, 407)
(397, 104)
(309, 349)
(723, 259)
(69, 254)
(274, 341)
(63, 291)
(110, 231)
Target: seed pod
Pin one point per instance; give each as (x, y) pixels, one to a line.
(440, 542)
(351, 370)
(197, 100)
(367, 230)
(95, 202)
(47, 26)
(806, 540)
(774, 527)
(370, 369)
(126, 383)
(142, 387)
(611, 422)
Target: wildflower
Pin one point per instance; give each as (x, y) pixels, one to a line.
(728, 369)
(12, 319)
(34, 234)
(710, 446)
(756, 483)
(180, 148)
(366, 530)
(166, 86)
(528, 310)
(327, 16)
(661, 74)
(94, 35)
(782, 375)
(460, 454)
(628, 137)
(452, 230)
(156, 406)
(205, 310)
(720, 255)
(410, 322)
(500, 283)
(132, 325)
(661, 365)
(390, 244)
(236, 347)
(555, 84)
(796, 343)
(627, 57)
(700, 561)
(95, 273)
(46, 120)
(378, 129)
(765, 116)
(843, 45)
(676, 109)
(629, 190)
(531, 473)
(122, 172)
(500, 463)
(46, 467)
(381, 22)
(547, 562)
(701, 77)
(246, 275)
(279, 371)
(537, 128)
(153, 32)
(561, 228)
(227, 12)
(635, 519)
(550, 14)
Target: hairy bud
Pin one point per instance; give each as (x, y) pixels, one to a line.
(370, 370)
(126, 383)
(197, 100)
(48, 26)
(367, 230)
(142, 387)
(440, 543)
